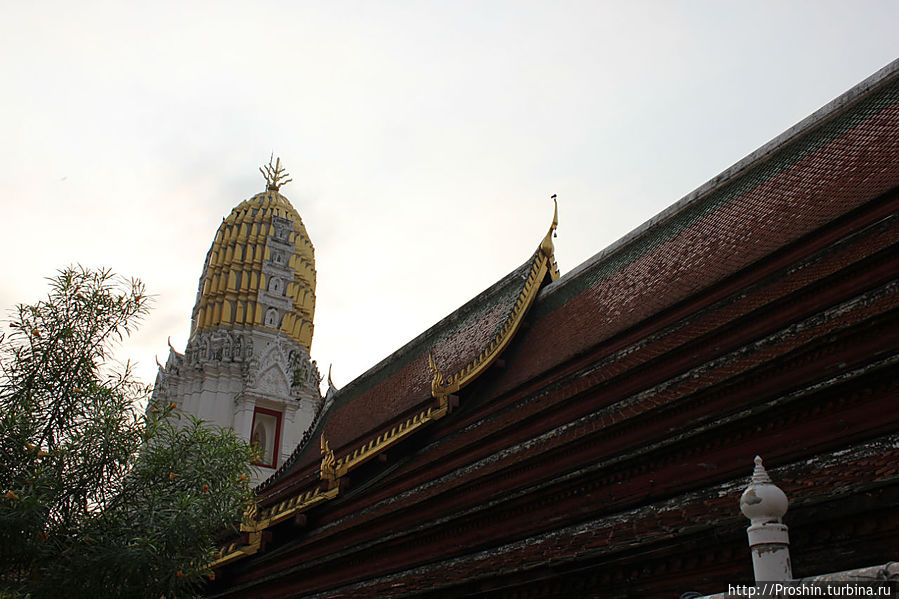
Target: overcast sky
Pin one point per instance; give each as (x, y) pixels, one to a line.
(424, 138)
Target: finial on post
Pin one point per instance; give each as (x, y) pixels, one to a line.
(765, 504)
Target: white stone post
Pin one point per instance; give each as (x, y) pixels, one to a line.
(765, 504)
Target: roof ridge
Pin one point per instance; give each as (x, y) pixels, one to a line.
(882, 78)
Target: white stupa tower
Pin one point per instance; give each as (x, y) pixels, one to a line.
(247, 364)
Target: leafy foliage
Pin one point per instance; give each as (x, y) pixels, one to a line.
(97, 497)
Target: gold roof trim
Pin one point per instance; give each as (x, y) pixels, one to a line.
(253, 527)
(330, 471)
(382, 442)
(542, 264)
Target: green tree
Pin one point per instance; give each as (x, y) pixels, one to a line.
(99, 498)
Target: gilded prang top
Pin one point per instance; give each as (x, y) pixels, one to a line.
(260, 270)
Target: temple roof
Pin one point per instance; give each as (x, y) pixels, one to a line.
(828, 164)
(814, 172)
(688, 273)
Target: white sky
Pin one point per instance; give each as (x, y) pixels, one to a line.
(424, 138)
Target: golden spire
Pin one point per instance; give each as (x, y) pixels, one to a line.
(234, 275)
(274, 175)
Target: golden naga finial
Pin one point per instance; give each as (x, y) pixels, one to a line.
(249, 515)
(274, 175)
(329, 462)
(437, 383)
(546, 246)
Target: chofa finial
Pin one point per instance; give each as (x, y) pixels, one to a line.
(547, 244)
(555, 224)
(275, 176)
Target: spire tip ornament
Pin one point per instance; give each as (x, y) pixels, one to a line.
(759, 474)
(274, 175)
